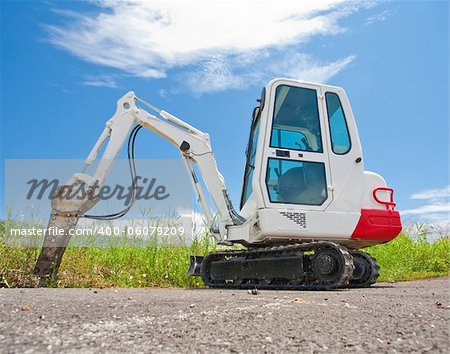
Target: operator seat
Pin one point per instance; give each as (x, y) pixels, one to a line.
(303, 185)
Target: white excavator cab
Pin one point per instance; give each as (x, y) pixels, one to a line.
(303, 141)
(304, 176)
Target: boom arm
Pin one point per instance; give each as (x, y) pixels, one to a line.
(194, 147)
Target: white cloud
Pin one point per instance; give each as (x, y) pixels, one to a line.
(434, 215)
(304, 67)
(214, 74)
(380, 17)
(437, 207)
(219, 44)
(221, 73)
(433, 193)
(162, 93)
(100, 81)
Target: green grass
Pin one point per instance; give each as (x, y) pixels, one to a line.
(145, 265)
(406, 258)
(166, 266)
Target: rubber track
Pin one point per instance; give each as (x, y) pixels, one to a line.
(375, 272)
(311, 284)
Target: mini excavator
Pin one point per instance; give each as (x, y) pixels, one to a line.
(307, 206)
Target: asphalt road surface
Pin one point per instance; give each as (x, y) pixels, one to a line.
(399, 317)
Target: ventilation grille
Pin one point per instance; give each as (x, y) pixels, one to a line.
(298, 218)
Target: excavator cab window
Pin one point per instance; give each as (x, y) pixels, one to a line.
(296, 119)
(340, 137)
(251, 155)
(296, 182)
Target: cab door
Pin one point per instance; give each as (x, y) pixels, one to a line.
(296, 171)
(344, 151)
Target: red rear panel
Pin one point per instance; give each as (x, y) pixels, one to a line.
(378, 225)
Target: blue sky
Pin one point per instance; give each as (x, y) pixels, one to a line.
(64, 64)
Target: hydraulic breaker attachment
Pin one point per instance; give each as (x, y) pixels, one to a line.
(55, 243)
(66, 209)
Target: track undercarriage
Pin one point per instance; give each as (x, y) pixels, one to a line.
(308, 266)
